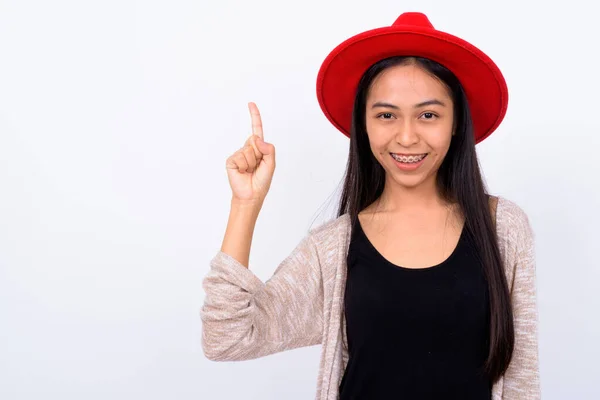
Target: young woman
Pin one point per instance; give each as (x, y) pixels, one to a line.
(424, 285)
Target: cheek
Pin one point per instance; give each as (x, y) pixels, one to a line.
(441, 146)
(377, 139)
(439, 143)
(439, 154)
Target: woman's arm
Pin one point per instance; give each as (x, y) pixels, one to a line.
(521, 380)
(244, 318)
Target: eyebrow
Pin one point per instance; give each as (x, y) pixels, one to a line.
(419, 105)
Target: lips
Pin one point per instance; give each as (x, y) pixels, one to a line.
(406, 166)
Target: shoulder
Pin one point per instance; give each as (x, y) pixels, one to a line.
(514, 225)
(331, 226)
(511, 214)
(331, 232)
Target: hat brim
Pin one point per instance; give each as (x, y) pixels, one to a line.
(480, 77)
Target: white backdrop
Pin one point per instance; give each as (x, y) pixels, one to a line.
(116, 118)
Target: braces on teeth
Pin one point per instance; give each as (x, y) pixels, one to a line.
(409, 159)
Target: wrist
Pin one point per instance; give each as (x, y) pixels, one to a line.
(247, 205)
(246, 211)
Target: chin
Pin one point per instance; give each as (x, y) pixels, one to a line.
(410, 183)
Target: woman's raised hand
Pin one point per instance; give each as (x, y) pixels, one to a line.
(250, 169)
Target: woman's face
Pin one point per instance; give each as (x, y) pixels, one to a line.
(409, 120)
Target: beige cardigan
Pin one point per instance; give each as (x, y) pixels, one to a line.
(302, 305)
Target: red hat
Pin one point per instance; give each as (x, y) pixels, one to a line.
(412, 35)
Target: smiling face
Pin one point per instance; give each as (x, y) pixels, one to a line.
(409, 119)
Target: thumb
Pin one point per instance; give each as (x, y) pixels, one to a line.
(267, 149)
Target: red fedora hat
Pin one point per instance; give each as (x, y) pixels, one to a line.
(412, 35)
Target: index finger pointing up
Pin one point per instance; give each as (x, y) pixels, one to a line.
(257, 128)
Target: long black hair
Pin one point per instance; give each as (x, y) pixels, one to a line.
(459, 181)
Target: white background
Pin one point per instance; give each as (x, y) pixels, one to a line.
(116, 118)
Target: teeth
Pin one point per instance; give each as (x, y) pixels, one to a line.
(408, 159)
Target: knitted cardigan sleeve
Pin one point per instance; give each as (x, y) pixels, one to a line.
(244, 318)
(521, 380)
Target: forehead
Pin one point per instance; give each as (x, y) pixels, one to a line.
(406, 83)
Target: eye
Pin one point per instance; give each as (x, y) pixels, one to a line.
(429, 115)
(385, 116)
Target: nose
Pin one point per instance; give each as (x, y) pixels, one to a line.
(407, 135)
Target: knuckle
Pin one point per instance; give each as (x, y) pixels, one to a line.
(250, 153)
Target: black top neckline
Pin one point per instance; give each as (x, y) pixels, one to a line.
(385, 261)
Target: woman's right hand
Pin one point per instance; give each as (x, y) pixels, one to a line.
(250, 169)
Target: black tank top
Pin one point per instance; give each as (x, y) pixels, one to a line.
(415, 333)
